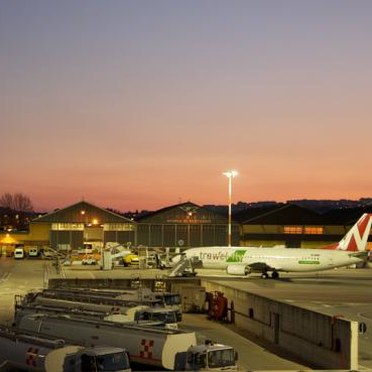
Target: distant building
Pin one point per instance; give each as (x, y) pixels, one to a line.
(83, 223)
(293, 226)
(185, 225)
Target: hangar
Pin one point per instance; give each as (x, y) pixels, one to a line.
(295, 226)
(83, 223)
(185, 225)
(188, 225)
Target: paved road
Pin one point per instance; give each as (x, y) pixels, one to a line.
(18, 277)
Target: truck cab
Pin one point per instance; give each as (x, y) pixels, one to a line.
(211, 357)
(77, 359)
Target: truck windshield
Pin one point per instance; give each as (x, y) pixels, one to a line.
(221, 358)
(166, 316)
(170, 298)
(112, 362)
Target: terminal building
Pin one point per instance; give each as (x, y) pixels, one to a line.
(185, 225)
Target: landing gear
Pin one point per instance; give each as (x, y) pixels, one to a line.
(274, 275)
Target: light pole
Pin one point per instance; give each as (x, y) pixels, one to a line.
(230, 175)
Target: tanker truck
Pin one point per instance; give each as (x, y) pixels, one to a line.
(169, 349)
(94, 297)
(140, 314)
(30, 352)
(137, 295)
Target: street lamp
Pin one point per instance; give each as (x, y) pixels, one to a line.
(230, 175)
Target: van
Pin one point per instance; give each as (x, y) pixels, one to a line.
(19, 253)
(33, 252)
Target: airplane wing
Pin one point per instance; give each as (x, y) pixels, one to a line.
(262, 267)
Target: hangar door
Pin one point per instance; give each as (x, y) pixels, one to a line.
(66, 240)
(67, 236)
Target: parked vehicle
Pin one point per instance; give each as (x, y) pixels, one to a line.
(28, 351)
(33, 252)
(161, 348)
(19, 253)
(130, 260)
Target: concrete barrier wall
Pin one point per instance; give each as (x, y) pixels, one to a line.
(319, 340)
(115, 283)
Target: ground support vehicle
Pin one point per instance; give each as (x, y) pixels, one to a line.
(135, 312)
(33, 252)
(125, 297)
(130, 260)
(120, 300)
(19, 253)
(31, 352)
(138, 314)
(161, 348)
(211, 357)
(89, 260)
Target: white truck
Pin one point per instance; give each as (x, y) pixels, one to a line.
(137, 314)
(169, 349)
(30, 352)
(122, 314)
(118, 298)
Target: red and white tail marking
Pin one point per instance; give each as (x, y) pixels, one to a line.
(357, 237)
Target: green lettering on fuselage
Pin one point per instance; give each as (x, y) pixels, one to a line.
(223, 255)
(237, 256)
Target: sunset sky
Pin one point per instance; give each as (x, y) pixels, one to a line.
(143, 104)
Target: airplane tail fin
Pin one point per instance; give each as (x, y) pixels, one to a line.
(357, 237)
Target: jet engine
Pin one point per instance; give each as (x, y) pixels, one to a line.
(238, 270)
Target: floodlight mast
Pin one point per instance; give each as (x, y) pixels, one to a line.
(230, 175)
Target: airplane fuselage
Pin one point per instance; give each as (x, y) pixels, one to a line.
(282, 259)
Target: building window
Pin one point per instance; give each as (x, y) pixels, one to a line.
(292, 229)
(118, 227)
(67, 226)
(314, 230)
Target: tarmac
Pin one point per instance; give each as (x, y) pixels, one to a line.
(252, 355)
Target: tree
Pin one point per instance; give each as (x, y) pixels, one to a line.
(16, 208)
(17, 202)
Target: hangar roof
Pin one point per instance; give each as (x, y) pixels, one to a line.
(293, 214)
(281, 214)
(183, 213)
(345, 216)
(82, 212)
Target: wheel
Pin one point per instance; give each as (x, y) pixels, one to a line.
(275, 275)
(264, 275)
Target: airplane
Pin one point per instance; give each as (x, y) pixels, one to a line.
(351, 249)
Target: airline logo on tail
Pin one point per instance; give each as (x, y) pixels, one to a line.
(357, 237)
